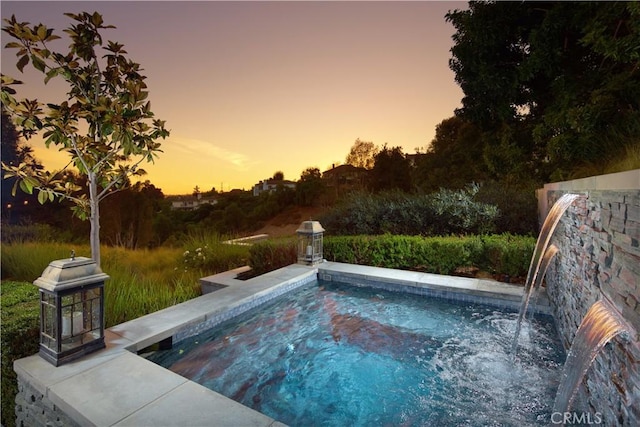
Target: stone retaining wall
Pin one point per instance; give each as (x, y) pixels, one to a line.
(599, 257)
(33, 409)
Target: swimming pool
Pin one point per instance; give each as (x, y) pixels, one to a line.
(334, 354)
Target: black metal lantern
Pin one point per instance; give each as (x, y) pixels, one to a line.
(71, 309)
(310, 242)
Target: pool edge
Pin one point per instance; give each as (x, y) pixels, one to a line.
(90, 390)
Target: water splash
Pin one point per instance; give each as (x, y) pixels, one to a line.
(538, 259)
(528, 291)
(599, 326)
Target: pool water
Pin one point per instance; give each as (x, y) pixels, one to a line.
(337, 355)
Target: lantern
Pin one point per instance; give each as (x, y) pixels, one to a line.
(310, 242)
(71, 309)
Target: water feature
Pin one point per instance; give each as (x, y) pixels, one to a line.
(332, 354)
(542, 255)
(599, 326)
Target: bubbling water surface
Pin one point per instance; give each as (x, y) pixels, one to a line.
(336, 355)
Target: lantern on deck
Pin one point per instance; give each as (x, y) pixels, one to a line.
(71, 309)
(310, 242)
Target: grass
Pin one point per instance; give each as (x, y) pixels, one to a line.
(627, 159)
(141, 281)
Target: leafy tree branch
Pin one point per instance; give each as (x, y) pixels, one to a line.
(107, 96)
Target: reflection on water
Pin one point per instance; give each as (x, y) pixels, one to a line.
(339, 355)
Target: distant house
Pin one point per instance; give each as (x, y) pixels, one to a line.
(345, 177)
(270, 185)
(189, 203)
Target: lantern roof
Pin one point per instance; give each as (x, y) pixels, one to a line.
(70, 273)
(310, 227)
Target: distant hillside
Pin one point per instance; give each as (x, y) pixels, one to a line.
(287, 222)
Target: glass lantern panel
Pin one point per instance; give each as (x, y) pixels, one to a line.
(78, 324)
(70, 343)
(92, 293)
(67, 314)
(67, 300)
(48, 298)
(96, 317)
(49, 330)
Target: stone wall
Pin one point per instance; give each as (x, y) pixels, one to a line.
(33, 409)
(599, 257)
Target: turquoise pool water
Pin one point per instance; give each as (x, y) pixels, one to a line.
(338, 355)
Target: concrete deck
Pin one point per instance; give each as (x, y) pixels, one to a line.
(116, 387)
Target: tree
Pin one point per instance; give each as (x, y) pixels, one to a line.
(454, 157)
(278, 176)
(107, 96)
(14, 152)
(550, 84)
(310, 187)
(128, 218)
(391, 170)
(362, 154)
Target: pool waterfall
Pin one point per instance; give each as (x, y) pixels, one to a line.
(599, 326)
(541, 257)
(602, 323)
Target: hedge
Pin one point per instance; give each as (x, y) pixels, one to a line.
(19, 337)
(503, 254)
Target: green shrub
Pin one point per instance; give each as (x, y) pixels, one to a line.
(19, 314)
(506, 254)
(270, 255)
(442, 213)
(459, 213)
(517, 204)
(500, 254)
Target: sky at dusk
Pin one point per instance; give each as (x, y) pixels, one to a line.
(251, 88)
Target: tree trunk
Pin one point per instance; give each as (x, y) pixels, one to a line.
(94, 219)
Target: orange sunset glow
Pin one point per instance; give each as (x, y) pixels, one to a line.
(251, 88)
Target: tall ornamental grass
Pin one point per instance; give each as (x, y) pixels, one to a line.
(141, 281)
(211, 253)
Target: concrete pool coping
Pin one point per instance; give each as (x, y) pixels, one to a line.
(116, 387)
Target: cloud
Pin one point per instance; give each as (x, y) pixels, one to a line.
(196, 148)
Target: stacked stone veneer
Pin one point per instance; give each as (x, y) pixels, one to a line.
(35, 409)
(599, 257)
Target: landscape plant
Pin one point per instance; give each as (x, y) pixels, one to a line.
(501, 255)
(442, 213)
(19, 337)
(270, 255)
(105, 123)
(210, 253)
(550, 85)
